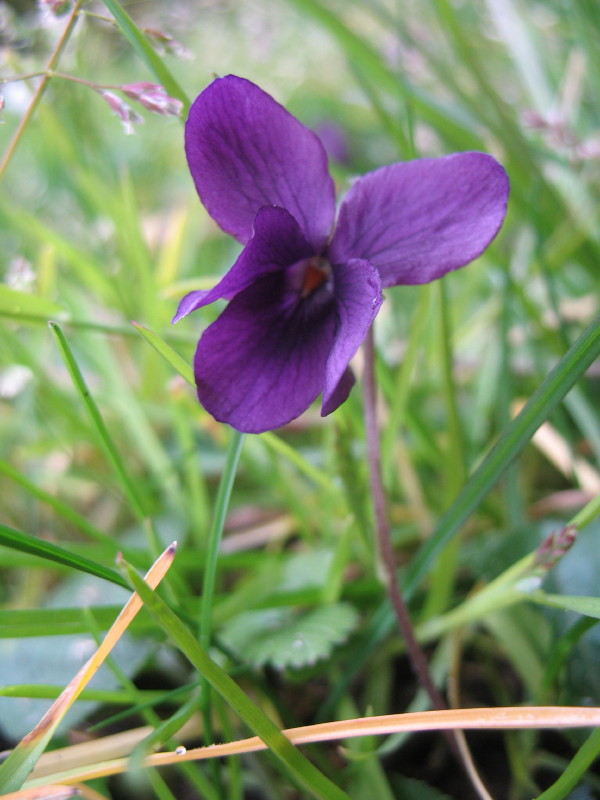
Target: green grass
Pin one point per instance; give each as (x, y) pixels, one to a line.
(104, 448)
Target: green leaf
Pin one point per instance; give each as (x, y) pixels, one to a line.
(17, 540)
(588, 606)
(284, 639)
(140, 44)
(175, 360)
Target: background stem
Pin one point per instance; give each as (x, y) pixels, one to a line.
(384, 539)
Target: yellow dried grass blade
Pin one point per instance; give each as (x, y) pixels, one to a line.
(43, 793)
(503, 718)
(21, 761)
(54, 793)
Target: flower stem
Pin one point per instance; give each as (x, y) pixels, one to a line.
(384, 539)
(41, 87)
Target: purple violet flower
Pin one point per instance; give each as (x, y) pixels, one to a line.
(302, 295)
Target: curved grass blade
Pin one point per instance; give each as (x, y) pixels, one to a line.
(499, 718)
(26, 543)
(573, 772)
(140, 44)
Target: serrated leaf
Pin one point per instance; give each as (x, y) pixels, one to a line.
(283, 638)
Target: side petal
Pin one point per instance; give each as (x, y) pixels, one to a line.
(417, 220)
(277, 242)
(262, 362)
(357, 289)
(245, 151)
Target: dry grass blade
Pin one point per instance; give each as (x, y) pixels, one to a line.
(43, 793)
(508, 717)
(23, 758)
(54, 793)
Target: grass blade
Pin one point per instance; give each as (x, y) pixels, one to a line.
(17, 540)
(21, 761)
(537, 410)
(167, 352)
(100, 428)
(296, 764)
(140, 44)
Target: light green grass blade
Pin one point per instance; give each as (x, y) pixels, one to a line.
(167, 352)
(588, 606)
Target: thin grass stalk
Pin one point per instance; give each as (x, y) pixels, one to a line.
(41, 88)
(384, 539)
(210, 572)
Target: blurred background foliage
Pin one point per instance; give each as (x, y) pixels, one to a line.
(99, 228)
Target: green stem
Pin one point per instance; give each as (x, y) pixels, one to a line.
(215, 536)
(41, 88)
(455, 473)
(384, 538)
(210, 572)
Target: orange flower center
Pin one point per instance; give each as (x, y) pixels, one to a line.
(315, 276)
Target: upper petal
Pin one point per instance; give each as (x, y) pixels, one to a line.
(276, 243)
(262, 362)
(417, 220)
(245, 151)
(357, 289)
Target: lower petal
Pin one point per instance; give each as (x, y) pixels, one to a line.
(357, 289)
(262, 363)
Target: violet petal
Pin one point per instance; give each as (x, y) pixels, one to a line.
(245, 151)
(417, 220)
(262, 362)
(357, 289)
(276, 243)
